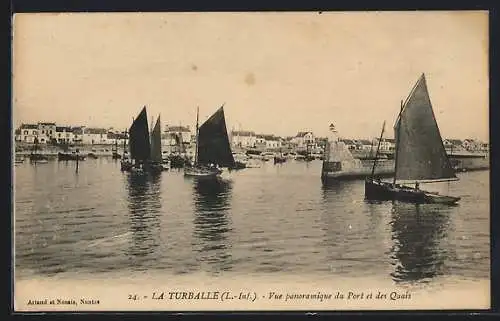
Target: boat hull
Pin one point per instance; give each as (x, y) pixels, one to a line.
(199, 172)
(279, 160)
(37, 157)
(69, 157)
(384, 191)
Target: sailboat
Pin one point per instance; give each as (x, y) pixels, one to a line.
(139, 144)
(156, 162)
(213, 149)
(420, 156)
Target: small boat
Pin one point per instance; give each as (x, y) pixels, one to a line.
(36, 157)
(73, 156)
(165, 164)
(278, 159)
(238, 164)
(213, 149)
(126, 165)
(240, 161)
(92, 155)
(253, 164)
(177, 161)
(420, 156)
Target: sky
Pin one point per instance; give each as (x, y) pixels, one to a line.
(275, 73)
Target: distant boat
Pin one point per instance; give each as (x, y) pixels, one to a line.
(35, 156)
(213, 149)
(420, 156)
(73, 156)
(92, 155)
(278, 159)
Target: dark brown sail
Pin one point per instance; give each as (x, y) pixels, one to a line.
(156, 142)
(213, 142)
(140, 149)
(420, 153)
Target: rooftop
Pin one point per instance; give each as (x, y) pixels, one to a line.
(302, 134)
(242, 133)
(29, 126)
(182, 129)
(96, 131)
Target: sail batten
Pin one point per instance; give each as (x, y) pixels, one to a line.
(140, 149)
(213, 146)
(420, 151)
(156, 142)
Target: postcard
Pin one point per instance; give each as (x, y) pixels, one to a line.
(251, 161)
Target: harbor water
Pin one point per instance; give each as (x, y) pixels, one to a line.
(273, 220)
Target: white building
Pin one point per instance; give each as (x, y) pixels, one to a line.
(77, 134)
(64, 135)
(365, 145)
(28, 133)
(386, 144)
(273, 142)
(243, 139)
(46, 131)
(303, 139)
(260, 141)
(95, 136)
(178, 134)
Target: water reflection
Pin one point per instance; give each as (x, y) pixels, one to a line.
(418, 233)
(352, 229)
(144, 203)
(211, 223)
(334, 191)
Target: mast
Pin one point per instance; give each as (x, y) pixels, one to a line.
(397, 143)
(124, 143)
(33, 151)
(378, 148)
(197, 128)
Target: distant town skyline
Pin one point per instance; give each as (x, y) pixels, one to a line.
(277, 73)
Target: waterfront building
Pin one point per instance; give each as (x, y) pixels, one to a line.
(244, 139)
(63, 135)
(178, 134)
(303, 139)
(28, 133)
(272, 142)
(350, 143)
(77, 134)
(17, 135)
(95, 136)
(453, 145)
(387, 145)
(364, 145)
(46, 131)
